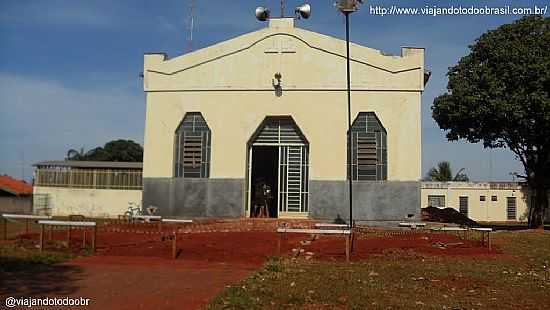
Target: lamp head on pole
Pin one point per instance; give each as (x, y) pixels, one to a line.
(262, 14)
(303, 11)
(348, 6)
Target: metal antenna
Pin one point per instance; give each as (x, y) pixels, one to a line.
(191, 25)
(282, 8)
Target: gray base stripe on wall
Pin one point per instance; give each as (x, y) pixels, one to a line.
(372, 200)
(224, 198)
(195, 197)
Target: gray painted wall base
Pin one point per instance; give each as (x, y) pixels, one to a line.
(372, 201)
(328, 200)
(195, 198)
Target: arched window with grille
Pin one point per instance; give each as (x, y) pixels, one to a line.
(369, 154)
(192, 147)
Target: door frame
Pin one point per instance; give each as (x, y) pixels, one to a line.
(248, 190)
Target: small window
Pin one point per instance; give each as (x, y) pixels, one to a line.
(511, 208)
(436, 201)
(494, 198)
(481, 198)
(463, 205)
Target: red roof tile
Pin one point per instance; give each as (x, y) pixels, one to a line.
(14, 186)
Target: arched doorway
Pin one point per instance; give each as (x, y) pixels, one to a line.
(278, 170)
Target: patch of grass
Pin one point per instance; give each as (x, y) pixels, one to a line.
(14, 258)
(517, 279)
(273, 264)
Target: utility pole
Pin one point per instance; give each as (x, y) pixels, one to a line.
(348, 88)
(347, 7)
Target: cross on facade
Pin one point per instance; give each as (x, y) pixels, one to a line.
(281, 47)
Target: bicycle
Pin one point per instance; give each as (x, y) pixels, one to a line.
(134, 209)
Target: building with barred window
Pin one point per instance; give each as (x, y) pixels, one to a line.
(257, 126)
(480, 201)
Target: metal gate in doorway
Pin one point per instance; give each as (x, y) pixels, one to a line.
(293, 165)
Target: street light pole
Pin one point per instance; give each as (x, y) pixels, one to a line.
(350, 171)
(347, 7)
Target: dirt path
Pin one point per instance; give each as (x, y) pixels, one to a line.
(116, 282)
(150, 283)
(133, 271)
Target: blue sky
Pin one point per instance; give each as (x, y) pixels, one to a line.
(69, 70)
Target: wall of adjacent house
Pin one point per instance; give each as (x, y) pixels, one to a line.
(16, 204)
(478, 210)
(96, 203)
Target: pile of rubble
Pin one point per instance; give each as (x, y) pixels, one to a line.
(447, 215)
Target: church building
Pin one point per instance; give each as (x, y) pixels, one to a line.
(257, 126)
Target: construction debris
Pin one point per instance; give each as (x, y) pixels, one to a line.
(447, 215)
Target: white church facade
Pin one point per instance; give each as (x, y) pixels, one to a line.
(268, 109)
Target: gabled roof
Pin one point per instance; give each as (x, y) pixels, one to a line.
(14, 186)
(249, 61)
(90, 164)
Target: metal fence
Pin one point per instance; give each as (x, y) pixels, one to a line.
(89, 178)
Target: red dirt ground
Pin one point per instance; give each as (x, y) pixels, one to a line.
(134, 271)
(333, 248)
(253, 248)
(117, 282)
(250, 248)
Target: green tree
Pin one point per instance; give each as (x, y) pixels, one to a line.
(73, 154)
(116, 150)
(443, 173)
(498, 94)
(123, 150)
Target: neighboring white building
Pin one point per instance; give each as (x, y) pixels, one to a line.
(89, 188)
(480, 201)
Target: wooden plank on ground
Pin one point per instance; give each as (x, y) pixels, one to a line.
(482, 229)
(412, 224)
(147, 217)
(331, 225)
(67, 223)
(448, 229)
(176, 221)
(26, 217)
(314, 231)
